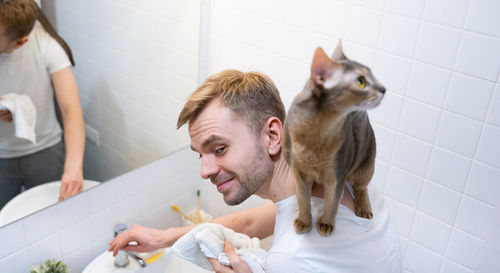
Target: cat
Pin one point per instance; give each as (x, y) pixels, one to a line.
(328, 138)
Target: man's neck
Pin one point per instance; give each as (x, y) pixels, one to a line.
(281, 185)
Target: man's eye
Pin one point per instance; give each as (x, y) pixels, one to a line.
(220, 150)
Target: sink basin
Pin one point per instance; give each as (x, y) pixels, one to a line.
(34, 199)
(168, 263)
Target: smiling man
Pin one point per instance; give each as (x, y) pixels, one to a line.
(235, 124)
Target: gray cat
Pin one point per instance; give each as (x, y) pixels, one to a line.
(328, 138)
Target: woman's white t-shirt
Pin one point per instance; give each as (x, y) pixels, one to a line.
(28, 71)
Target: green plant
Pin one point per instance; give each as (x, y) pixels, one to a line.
(50, 266)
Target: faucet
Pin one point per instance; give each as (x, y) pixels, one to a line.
(121, 259)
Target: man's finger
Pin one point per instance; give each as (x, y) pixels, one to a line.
(219, 268)
(236, 262)
(118, 243)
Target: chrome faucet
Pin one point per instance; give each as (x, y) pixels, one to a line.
(121, 259)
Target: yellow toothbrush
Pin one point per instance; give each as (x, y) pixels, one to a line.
(154, 258)
(176, 208)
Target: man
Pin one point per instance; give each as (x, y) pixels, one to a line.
(33, 62)
(235, 124)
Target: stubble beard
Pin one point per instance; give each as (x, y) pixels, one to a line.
(255, 174)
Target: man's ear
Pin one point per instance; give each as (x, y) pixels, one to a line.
(273, 131)
(20, 42)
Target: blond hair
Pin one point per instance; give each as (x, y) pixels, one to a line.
(252, 96)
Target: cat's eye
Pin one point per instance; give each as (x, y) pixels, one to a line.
(361, 82)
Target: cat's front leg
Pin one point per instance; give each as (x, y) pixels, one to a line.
(303, 189)
(360, 179)
(332, 193)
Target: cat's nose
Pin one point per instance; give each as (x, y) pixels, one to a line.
(381, 89)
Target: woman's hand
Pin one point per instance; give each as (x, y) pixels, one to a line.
(5, 115)
(237, 264)
(71, 184)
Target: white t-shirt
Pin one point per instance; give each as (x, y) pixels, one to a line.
(28, 71)
(357, 245)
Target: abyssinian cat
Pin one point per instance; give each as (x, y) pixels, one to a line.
(328, 138)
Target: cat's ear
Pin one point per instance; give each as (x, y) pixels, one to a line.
(320, 66)
(338, 53)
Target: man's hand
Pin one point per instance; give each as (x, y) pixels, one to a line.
(71, 184)
(237, 264)
(5, 115)
(147, 239)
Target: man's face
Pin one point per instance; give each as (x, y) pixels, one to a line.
(232, 156)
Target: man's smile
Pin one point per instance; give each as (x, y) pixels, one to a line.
(223, 185)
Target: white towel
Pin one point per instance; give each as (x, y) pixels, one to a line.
(23, 114)
(207, 240)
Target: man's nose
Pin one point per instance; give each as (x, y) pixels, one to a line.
(208, 167)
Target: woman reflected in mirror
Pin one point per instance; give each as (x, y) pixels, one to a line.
(36, 62)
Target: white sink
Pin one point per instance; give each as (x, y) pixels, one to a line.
(168, 263)
(34, 199)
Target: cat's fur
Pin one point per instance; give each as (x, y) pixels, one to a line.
(328, 138)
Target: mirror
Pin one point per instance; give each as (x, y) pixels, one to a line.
(135, 63)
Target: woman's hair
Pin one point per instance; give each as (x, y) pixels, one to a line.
(18, 18)
(252, 96)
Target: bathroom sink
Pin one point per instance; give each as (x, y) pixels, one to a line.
(34, 199)
(169, 262)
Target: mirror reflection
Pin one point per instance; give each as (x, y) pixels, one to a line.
(134, 64)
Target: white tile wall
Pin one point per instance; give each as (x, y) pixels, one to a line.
(439, 202)
(420, 153)
(136, 62)
(440, 53)
(494, 111)
(419, 120)
(489, 149)
(464, 249)
(483, 183)
(458, 133)
(416, 254)
(428, 83)
(386, 65)
(469, 96)
(478, 55)
(438, 128)
(446, 12)
(449, 169)
(399, 35)
(404, 192)
(410, 8)
(483, 17)
(431, 233)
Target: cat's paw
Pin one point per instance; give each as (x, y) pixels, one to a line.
(324, 229)
(364, 213)
(300, 226)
